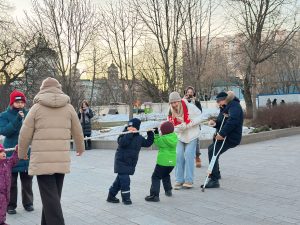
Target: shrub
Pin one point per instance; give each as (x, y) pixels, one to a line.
(283, 116)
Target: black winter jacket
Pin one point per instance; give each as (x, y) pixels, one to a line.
(86, 126)
(127, 154)
(233, 124)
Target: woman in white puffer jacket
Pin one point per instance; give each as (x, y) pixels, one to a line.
(186, 118)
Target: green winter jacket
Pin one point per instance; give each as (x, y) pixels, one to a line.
(166, 149)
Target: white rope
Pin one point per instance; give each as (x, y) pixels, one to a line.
(100, 136)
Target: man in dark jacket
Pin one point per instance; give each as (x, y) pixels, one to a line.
(10, 124)
(232, 128)
(126, 158)
(190, 95)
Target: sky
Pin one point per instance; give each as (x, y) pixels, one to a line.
(21, 5)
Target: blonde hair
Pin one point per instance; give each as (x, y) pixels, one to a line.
(177, 113)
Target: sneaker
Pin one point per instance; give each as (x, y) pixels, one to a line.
(198, 162)
(152, 198)
(127, 201)
(187, 185)
(112, 199)
(11, 211)
(168, 193)
(29, 208)
(178, 186)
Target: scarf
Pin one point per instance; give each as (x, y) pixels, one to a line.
(186, 119)
(85, 116)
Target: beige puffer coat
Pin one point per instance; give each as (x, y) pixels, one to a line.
(48, 128)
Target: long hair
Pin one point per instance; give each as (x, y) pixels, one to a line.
(178, 112)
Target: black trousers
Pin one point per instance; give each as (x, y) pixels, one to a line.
(161, 173)
(88, 143)
(215, 175)
(26, 185)
(121, 183)
(50, 189)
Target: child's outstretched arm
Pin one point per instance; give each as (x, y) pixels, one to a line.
(149, 141)
(13, 160)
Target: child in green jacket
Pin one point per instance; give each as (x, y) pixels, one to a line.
(166, 161)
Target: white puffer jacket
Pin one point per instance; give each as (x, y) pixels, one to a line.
(192, 130)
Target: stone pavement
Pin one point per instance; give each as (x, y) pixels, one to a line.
(260, 185)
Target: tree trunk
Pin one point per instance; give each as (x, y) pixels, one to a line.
(254, 91)
(247, 92)
(94, 76)
(4, 93)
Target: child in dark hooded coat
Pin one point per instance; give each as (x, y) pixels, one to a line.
(126, 158)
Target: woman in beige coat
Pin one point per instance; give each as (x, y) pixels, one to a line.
(48, 127)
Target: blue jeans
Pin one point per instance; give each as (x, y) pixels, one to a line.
(185, 164)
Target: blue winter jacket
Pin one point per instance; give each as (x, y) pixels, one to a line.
(127, 154)
(10, 125)
(233, 124)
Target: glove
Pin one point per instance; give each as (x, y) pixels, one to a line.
(156, 130)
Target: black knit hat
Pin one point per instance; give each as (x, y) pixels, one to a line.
(136, 123)
(221, 96)
(167, 128)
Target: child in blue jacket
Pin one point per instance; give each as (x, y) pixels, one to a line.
(126, 158)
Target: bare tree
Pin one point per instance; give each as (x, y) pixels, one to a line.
(70, 27)
(13, 45)
(197, 41)
(164, 20)
(122, 33)
(265, 28)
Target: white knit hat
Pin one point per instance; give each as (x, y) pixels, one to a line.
(174, 97)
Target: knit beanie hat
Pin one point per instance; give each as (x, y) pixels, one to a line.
(221, 96)
(167, 128)
(136, 123)
(16, 96)
(174, 97)
(50, 82)
(1, 148)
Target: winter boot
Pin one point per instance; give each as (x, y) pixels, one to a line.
(11, 211)
(112, 199)
(127, 201)
(126, 198)
(198, 162)
(29, 208)
(152, 198)
(212, 184)
(168, 193)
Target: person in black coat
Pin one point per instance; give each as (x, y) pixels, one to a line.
(126, 158)
(232, 129)
(85, 115)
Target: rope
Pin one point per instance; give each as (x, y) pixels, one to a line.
(100, 136)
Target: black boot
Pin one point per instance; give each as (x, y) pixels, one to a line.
(127, 201)
(212, 184)
(112, 199)
(152, 198)
(29, 208)
(168, 193)
(11, 211)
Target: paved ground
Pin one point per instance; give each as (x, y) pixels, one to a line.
(260, 185)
